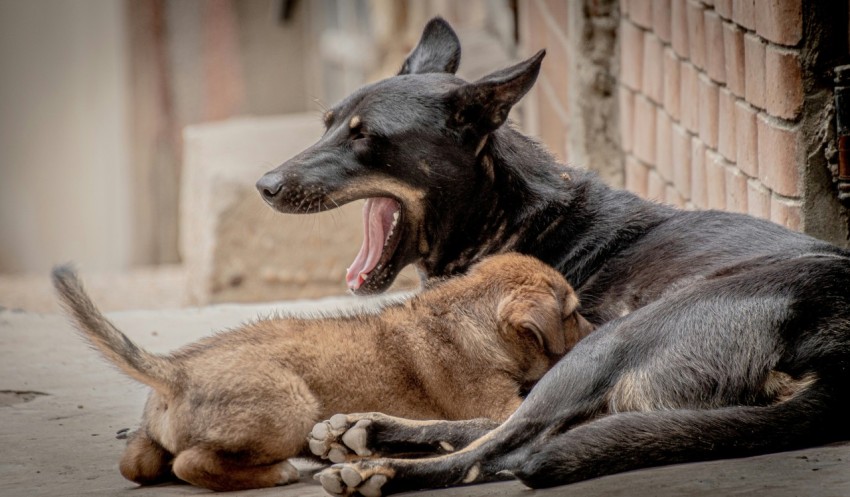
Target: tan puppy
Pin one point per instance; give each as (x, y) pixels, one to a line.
(227, 411)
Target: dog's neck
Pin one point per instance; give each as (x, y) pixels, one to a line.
(530, 203)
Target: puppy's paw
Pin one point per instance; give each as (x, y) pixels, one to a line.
(341, 438)
(354, 479)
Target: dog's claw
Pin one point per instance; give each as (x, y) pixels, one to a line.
(330, 482)
(288, 473)
(339, 439)
(351, 479)
(355, 438)
(350, 476)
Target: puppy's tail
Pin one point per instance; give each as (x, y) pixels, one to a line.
(150, 369)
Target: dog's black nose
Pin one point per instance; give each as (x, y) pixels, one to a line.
(269, 186)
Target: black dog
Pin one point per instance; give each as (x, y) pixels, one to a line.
(721, 335)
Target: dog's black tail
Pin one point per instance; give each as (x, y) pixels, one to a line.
(139, 364)
(634, 440)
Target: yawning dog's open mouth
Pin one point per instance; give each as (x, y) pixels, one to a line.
(382, 231)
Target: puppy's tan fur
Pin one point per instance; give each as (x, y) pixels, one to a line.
(227, 411)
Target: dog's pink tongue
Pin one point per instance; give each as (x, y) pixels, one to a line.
(377, 218)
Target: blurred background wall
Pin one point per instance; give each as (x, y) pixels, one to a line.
(132, 131)
(64, 136)
(94, 95)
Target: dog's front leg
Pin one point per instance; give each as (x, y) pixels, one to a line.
(489, 458)
(353, 436)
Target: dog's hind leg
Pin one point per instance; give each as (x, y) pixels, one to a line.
(634, 440)
(351, 436)
(208, 469)
(145, 461)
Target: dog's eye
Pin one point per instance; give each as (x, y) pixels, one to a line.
(358, 134)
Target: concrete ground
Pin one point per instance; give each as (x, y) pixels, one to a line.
(60, 406)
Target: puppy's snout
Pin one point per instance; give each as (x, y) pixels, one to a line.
(270, 186)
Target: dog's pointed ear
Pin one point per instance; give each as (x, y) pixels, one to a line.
(438, 50)
(484, 104)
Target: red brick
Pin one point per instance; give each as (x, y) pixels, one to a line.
(679, 21)
(708, 110)
(685, 178)
(754, 49)
(551, 124)
(556, 68)
(758, 199)
(744, 13)
(671, 83)
(559, 11)
(733, 57)
(784, 94)
(661, 19)
(715, 180)
(640, 12)
(673, 197)
(736, 190)
(663, 145)
(637, 176)
(786, 212)
(699, 187)
(780, 21)
(696, 33)
(538, 34)
(656, 186)
(681, 157)
(715, 61)
(653, 68)
(626, 103)
(726, 125)
(746, 139)
(644, 130)
(777, 152)
(689, 97)
(724, 8)
(631, 55)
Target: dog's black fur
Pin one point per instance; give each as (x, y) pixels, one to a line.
(721, 335)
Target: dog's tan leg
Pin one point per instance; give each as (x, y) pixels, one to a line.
(205, 468)
(145, 461)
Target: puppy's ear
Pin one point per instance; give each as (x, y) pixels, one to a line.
(483, 106)
(537, 313)
(438, 50)
(575, 326)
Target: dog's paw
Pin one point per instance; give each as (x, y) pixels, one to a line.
(288, 473)
(353, 479)
(341, 438)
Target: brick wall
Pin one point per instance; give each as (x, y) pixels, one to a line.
(709, 97)
(544, 24)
